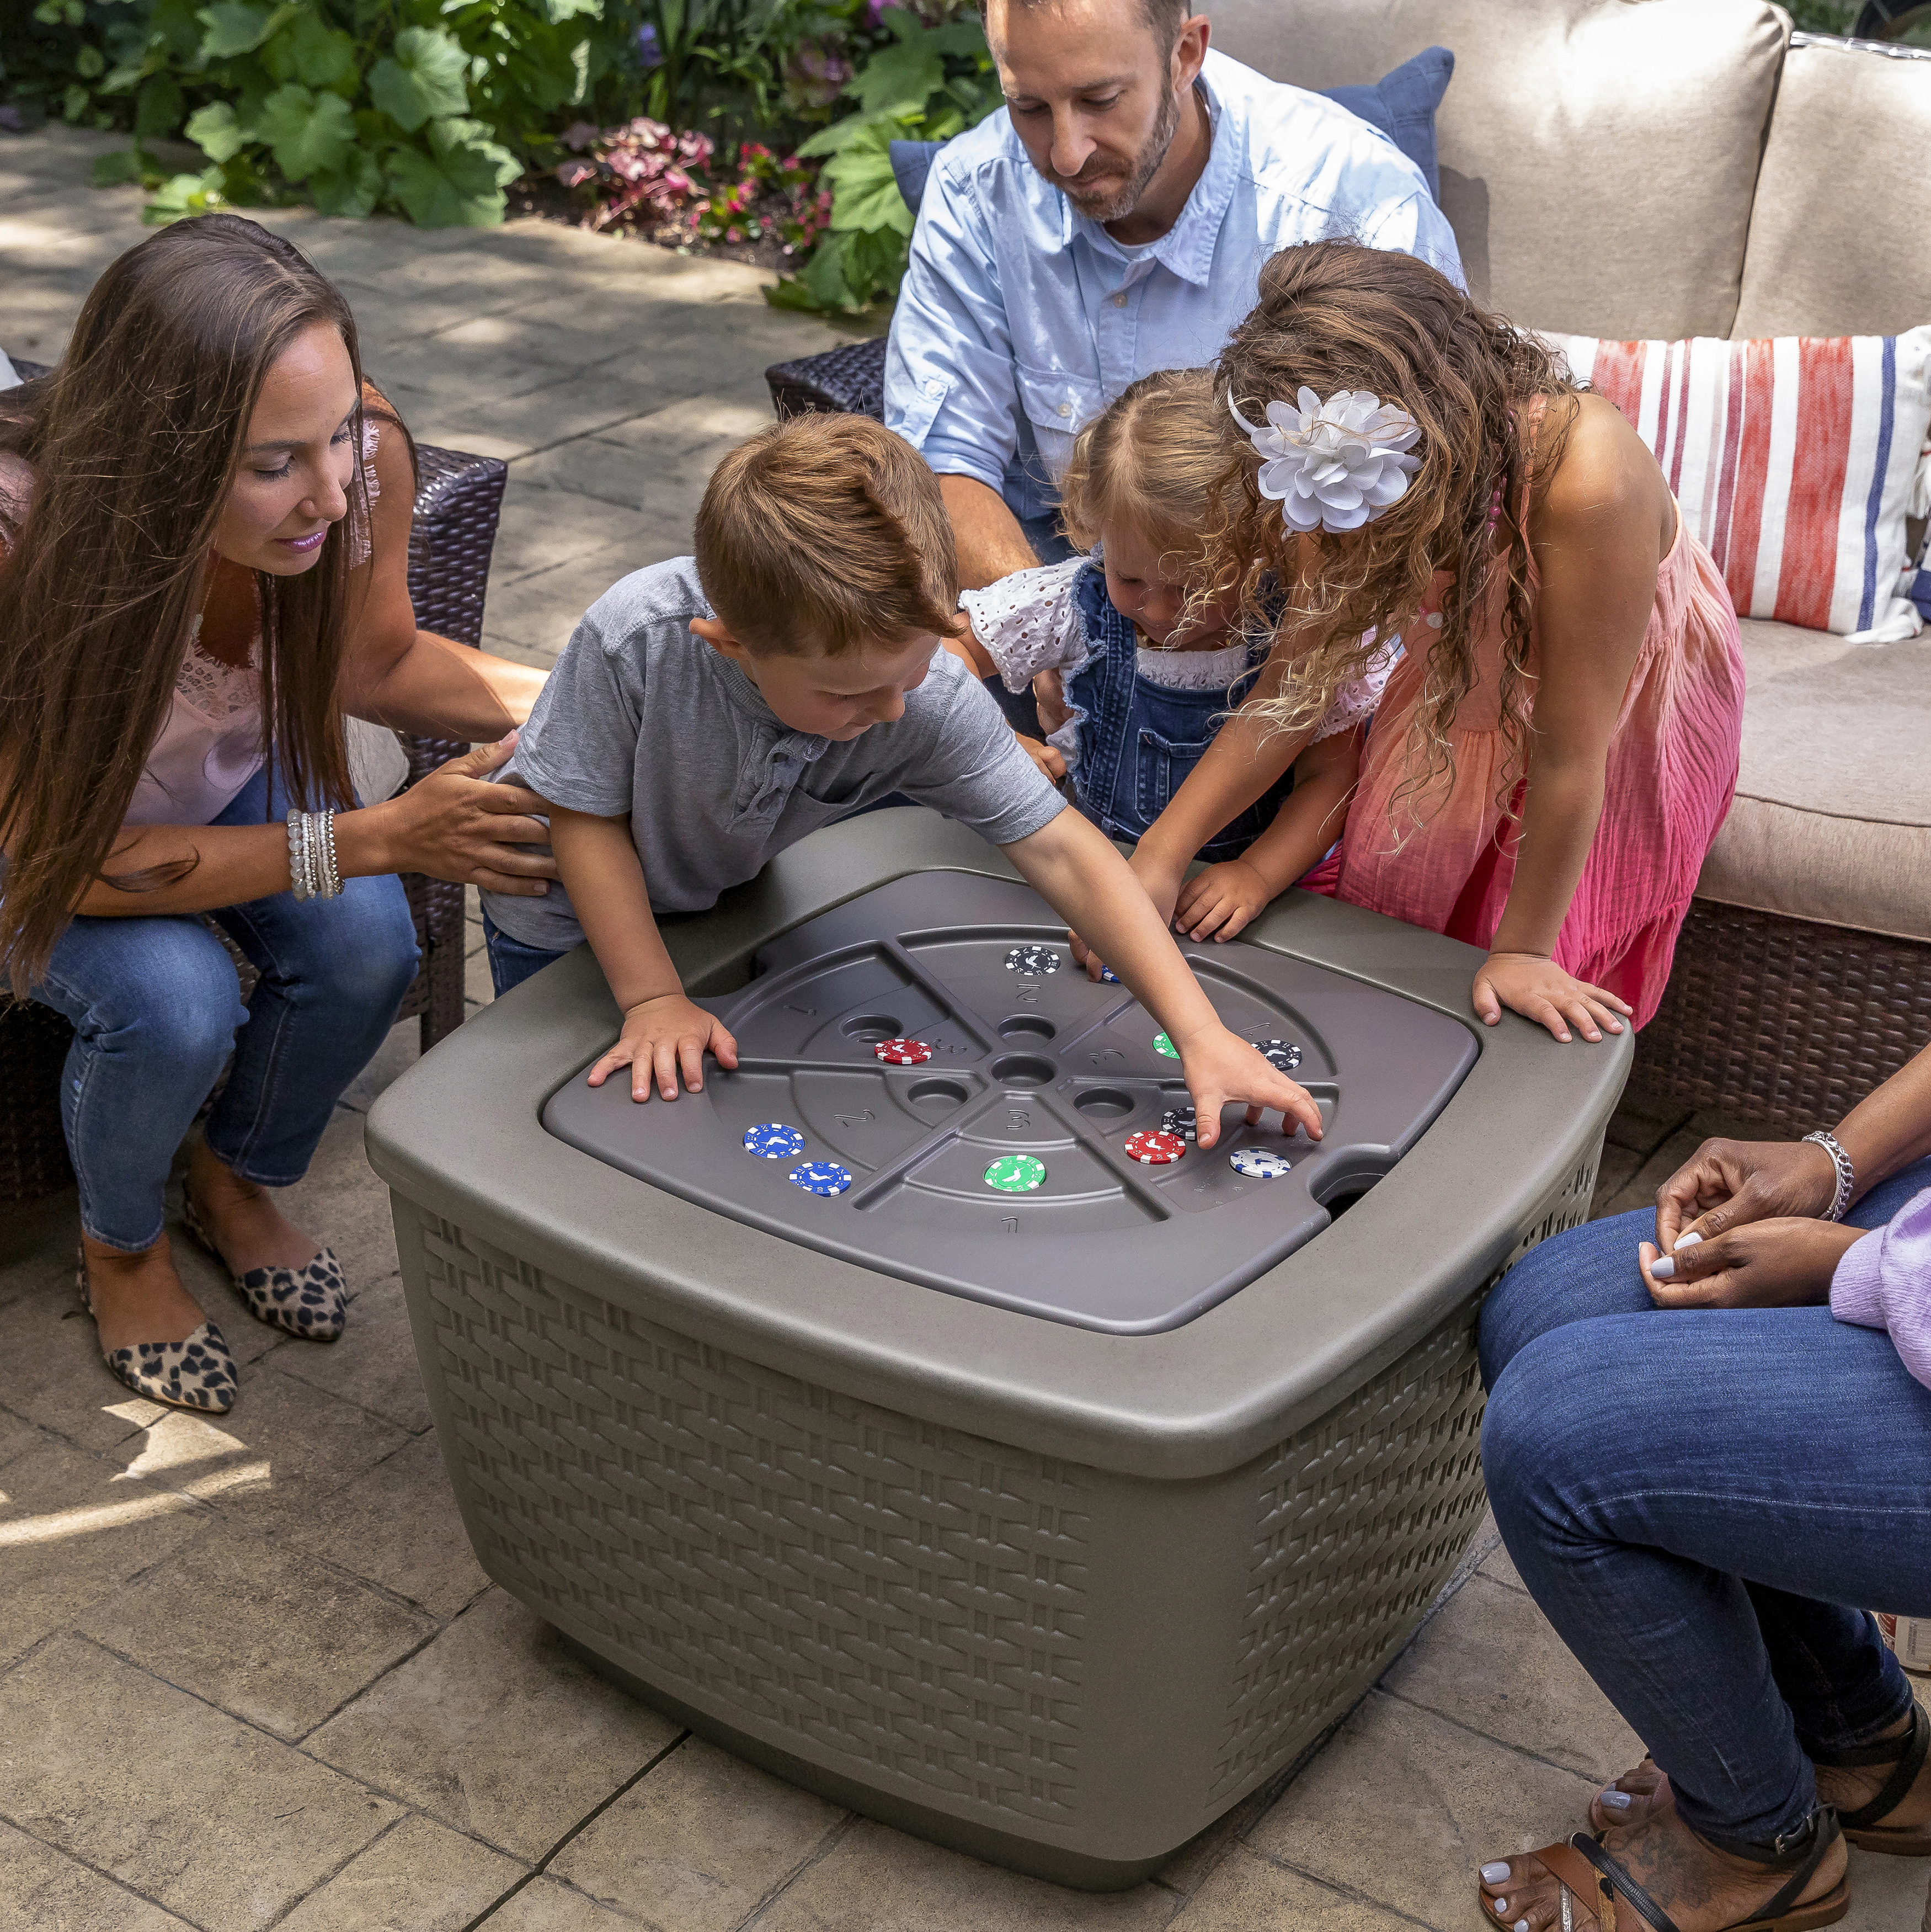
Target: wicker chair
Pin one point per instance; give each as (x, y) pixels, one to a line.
(458, 500)
(847, 381)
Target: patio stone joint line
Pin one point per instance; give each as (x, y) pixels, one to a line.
(822, 1850)
(1489, 1737)
(99, 1871)
(1343, 1890)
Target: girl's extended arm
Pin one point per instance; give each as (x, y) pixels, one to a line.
(1600, 530)
(663, 1033)
(1074, 867)
(1218, 903)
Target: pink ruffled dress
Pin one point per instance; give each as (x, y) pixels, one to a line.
(1671, 774)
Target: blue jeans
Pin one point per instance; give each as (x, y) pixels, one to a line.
(156, 1011)
(1704, 1502)
(510, 961)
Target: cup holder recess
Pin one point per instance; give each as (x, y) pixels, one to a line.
(1023, 1029)
(1024, 1069)
(869, 1029)
(938, 1096)
(1104, 1103)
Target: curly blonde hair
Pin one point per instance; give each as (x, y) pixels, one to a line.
(1338, 315)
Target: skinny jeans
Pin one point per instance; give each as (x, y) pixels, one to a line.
(157, 1010)
(1706, 1503)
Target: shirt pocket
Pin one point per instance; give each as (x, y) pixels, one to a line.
(1163, 766)
(1058, 406)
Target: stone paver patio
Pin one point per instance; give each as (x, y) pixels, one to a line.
(250, 1673)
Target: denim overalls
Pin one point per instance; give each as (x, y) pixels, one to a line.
(1139, 741)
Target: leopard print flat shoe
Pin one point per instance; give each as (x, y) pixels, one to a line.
(198, 1373)
(311, 1301)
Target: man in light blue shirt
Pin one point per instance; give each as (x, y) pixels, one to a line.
(1110, 222)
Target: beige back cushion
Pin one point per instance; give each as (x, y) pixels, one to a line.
(1598, 156)
(1840, 242)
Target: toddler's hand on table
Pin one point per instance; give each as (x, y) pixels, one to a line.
(1535, 986)
(1048, 757)
(1218, 903)
(662, 1037)
(1220, 1068)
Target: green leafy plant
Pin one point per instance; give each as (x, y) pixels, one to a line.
(425, 108)
(55, 55)
(927, 83)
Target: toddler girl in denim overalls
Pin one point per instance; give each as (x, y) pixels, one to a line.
(1147, 675)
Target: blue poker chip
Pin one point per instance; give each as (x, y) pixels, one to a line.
(1259, 1163)
(1108, 974)
(773, 1140)
(820, 1177)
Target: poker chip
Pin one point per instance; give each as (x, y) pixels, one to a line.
(1259, 1163)
(1032, 959)
(1015, 1173)
(1161, 1044)
(820, 1177)
(1108, 974)
(1281, 1054)
(773, 1140)
(903, 1052)
(1155, 1149)
(1179, 1120)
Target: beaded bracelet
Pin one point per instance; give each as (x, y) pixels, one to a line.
(1847, 1176)
(313, 872)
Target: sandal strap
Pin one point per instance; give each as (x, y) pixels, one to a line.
(1620, 1880)
(1905, 1754)
(1800, 1853)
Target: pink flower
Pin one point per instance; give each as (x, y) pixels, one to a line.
(570, 173)
(580, 134)
(734, 234)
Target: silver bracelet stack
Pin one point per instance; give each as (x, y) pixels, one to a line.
(312, 870)
(1847, 1175)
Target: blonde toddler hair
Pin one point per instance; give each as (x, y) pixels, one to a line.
(1152, 463)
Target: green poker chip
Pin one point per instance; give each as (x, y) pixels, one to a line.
(1161, 1044)
(1015, 1173)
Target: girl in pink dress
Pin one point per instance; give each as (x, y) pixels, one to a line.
(1558, 746)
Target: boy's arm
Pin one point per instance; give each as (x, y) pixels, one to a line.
(663, 1032)
(1216, 904)
(1074, 867)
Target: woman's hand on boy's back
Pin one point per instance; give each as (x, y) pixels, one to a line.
(663, 1038)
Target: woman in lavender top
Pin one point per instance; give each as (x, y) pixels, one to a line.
(1708, 1445)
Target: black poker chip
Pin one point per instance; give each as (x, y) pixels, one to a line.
(1281, 1054)
(1034, 959)
(1179, 1120)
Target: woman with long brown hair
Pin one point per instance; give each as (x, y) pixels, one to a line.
(1558, 747)
(204, 533)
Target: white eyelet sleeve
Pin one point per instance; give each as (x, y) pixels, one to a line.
(1028, 623)
(1358, 701)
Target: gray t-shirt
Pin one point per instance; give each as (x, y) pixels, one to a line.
(639, 716)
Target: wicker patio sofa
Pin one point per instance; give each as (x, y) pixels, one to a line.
(1662, 170)
(459, 498)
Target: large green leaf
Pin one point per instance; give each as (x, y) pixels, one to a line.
(157, 108)
(233, 27)
(217, 131)
(557, 11)
(351, 189)
(125, 165)
(459, 183)
(309, 50)
(897, 80)
(423, 77)
(307, 132)
(185, 194)
(865, 191)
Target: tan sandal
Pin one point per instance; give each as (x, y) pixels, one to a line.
(1906, 1755)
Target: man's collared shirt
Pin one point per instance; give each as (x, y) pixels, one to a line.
(1020, 320)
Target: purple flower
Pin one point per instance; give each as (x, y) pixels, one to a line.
(649, 49)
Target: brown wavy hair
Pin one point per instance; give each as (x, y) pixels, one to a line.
(133, 443)
(1338, 315)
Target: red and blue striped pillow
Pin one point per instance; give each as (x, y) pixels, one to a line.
(1792, 460)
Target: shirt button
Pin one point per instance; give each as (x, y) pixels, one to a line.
(932, 388)
(1066, 409)
(1119, 300)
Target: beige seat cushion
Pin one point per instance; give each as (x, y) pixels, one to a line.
(1840, 241)
(1598, 158)
(1832, 816)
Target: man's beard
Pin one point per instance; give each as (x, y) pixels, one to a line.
(1122, 201)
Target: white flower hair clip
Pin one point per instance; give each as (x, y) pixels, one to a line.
(1334, 465)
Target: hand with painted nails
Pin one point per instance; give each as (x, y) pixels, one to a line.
(1785, 1263)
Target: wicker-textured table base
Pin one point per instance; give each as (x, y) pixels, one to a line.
(1782, 1022)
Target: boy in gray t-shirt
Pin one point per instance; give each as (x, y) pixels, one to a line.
(709, 712)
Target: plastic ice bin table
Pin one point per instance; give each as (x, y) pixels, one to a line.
(1014, 1488)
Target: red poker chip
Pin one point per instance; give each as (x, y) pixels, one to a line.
(903, 1052)
(1152, 1148)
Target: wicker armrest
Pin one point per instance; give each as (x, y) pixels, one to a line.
(849, 381)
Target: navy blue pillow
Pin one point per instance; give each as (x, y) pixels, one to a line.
(1400, 105)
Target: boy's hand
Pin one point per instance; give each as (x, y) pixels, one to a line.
(663, 1036)
(1536, 987)
(1220, 1068)
(1221, 900)
(1046, 757)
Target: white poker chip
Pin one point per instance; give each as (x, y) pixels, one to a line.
(1259, 1163)
(1032, 959)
